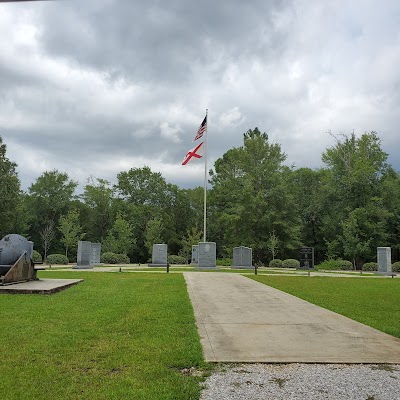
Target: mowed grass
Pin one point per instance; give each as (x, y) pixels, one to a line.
(113, 336)
(374, 302)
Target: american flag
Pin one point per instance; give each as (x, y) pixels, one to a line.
(201, 129)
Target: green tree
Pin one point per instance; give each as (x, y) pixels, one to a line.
(364, 230)
(49, 198)
(273, 244)
(144, 195)
(47, 235)
(251, 196)
(71, 230)
(356, 171)
(309, 188)
(99, 198)
(120, 239)
(141, 186)
(10, 194)
(153, 233)
(193, 236)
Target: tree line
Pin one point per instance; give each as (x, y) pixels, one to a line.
(345, 209)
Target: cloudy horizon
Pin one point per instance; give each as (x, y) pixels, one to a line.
(98, 88)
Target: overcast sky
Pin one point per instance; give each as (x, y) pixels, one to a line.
(96, 87)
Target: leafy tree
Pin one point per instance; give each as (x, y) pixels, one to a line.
(10, 194)
(356, 171)
(364, 230)
(99, 198)
(193, 236)
(153, 234)
(71, 230)
(141, 186)
(309, 188)
(120, 238)
(144, 195)
(273, 244)
(47, 234)
(251, 196)
(49, 198)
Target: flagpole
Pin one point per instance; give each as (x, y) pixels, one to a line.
(205, 179)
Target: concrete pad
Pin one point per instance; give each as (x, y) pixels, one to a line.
(41, 286)
(241, 320)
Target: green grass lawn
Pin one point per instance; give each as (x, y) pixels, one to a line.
(374, 302)
(114, 336)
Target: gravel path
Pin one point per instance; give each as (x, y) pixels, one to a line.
(303, 382)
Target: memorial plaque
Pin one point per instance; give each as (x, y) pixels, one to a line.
(207, 255)
(95, 253)
(195, 254)
(84, 253)
(306, 258)
(242, 257)
(159, 256)
(384, 258)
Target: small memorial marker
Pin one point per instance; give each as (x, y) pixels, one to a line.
(242, 257)
(306, 258)
(195, 254)
(159, 256)
(95, 253)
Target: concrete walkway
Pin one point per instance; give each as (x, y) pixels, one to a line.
(241, 320)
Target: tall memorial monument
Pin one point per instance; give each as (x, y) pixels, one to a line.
(384, 259)
(84, 255)
(207, 255)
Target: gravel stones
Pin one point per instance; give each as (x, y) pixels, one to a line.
(304, 382)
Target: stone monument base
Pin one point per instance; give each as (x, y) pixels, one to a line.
(157, 265)
(242, 267)
(83, 267)
(392, 274)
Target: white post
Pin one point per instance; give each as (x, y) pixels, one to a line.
(205, 179)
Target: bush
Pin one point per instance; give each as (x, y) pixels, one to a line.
(36, 257)
(329, 265)
(224, 262)
(345, 265)
(290, 263)
(172, 259)
(277, 263)
(396, 266)
(336, 264)
(113, 258)
(370, 266)
(57, 259)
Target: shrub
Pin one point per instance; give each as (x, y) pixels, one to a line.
(345, 265)
(336, 264)
(290, 263)
(329, 265)
(277, 263)
(113, 258)
(370, 266)
(172, 259)
(396, 266)
(36, 257)
(57, 259)
(224, 262)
